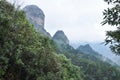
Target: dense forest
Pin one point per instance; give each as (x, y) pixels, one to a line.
(25, 54)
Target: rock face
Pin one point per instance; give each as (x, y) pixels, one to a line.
(36, 16)
(60, 38)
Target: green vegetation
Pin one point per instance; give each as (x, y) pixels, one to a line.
(112, 17)
(26, 55)
(92, 66)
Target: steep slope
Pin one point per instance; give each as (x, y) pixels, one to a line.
(36, 16)
(93, 65)
(25, 54)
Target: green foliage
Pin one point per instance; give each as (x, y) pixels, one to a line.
(70, 71)
(112, 17)
(25, 54)
(91, 64)
(98, 70)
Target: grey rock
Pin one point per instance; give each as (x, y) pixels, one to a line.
(36, 16)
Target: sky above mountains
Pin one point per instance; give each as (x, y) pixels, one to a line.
(79, 19)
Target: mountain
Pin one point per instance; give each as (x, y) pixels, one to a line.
(101, 49)
(60, 38)
(86, 49)
(93, 65)
(62, 43)
(36, 16)
(83, 51)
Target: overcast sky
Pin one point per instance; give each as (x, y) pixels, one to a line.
(79, 19)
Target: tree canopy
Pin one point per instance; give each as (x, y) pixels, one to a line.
(112, 17)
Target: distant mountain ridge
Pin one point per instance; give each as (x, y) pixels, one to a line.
(62, 43)
(86, 49)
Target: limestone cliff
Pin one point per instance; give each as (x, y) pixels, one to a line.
(36, 16)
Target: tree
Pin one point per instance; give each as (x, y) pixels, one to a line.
(112, 17)
(25, 54)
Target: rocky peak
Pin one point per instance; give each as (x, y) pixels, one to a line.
(86, 49)
(60, 37)
(36, 16)
(87, 46)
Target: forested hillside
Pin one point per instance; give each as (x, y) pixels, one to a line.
(25, 54)
(93, 65)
